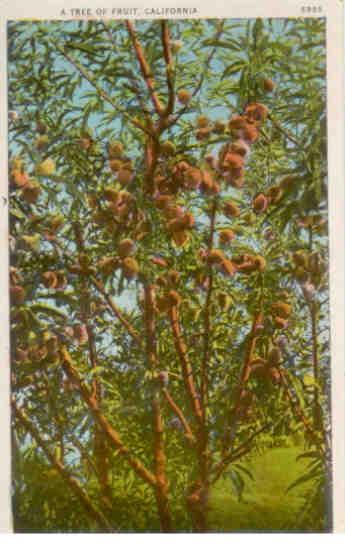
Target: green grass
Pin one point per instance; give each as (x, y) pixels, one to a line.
(265, 505)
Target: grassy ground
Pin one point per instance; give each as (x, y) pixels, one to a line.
(265, 505)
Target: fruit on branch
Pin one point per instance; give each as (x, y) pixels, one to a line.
(167, 148)
(215, 256)
(219, 127)
(180, 238)
(300, 258)
(256, 112)
(202, 122)
(110, 194)
(49, 279)
(230, 209)
(275, 193)
(192, 178)
(46, 168)
(208, 185)
(260, 203)
(228, 268)
(21, 355)
(173, 278)
(161, 201)
(159, 261)
(121, 206)
(19, 177)
(31, 192)
(115, 150)
(204, 133)
(239, 147)
(282, 309)
(226, 236)
(172, 211)
(124, 176)
(52, 344)
(162, 303)
(161, 281)
(13, 115)
(250, 134)
(181, 223)
(184, 96)
(301, 274)
(174, 298)
(176, 46)
(233, 161)
(56, 221)
(32, 242)
(17, 294)
(275, 375)
(274, 357)
(130, 267)
(15, 276)
(61, 279)
(126, 247)
(268, 85)
(115, 165)
(259, 263)
(41, 142)
(249, 263)
(37, 353)
(237, 122)
(280, 322)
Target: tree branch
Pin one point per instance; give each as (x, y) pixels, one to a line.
(177, 410)
(116, 311)
(111, 434)
(144, 67)
(187, 372)
(73, 483)
(158, 425)
(169, 67)
(207, 324)
(100, 91)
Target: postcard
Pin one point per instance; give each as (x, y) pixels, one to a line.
(172, 241)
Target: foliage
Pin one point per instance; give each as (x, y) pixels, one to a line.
(168, 262)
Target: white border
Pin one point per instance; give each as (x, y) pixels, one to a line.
(333, 10)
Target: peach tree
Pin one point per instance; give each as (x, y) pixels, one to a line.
(168, 281)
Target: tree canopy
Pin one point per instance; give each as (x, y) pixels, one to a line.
(169, 287)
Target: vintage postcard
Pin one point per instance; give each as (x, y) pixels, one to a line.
(172, 241)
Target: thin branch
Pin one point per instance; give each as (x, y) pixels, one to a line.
(144, 67)
(177, 410)
(111, 434)
(158, 425)
(207, 315)
(116, 311)
(169, 67)
(284, 131)
(204, 71)
(239, 452)
(187, 371)
(100, 91)
(72, 482)
(245, 372)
